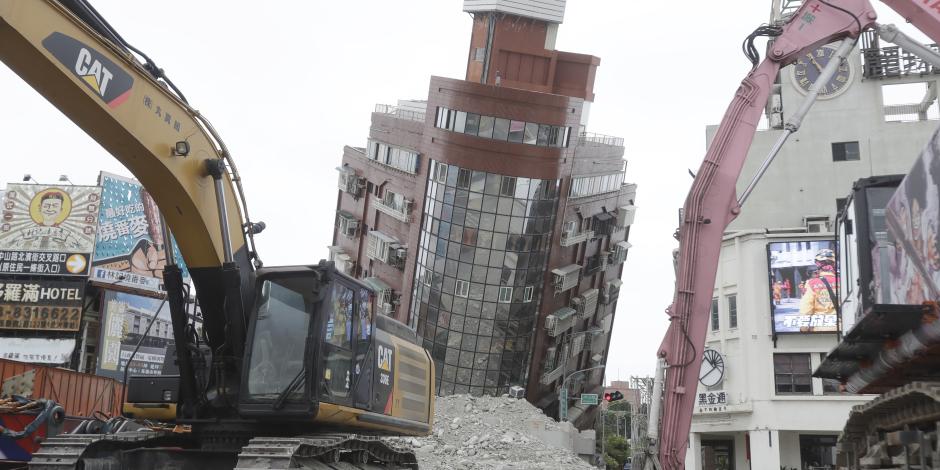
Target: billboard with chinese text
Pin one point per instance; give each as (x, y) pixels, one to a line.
(803, 286)
(124, 319)
(130, 247)
(41, 304)
(57, 351)
(39, 220)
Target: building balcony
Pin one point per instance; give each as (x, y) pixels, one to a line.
(400, 113)
(549, 377)
(395, 212)
(569, 239)
(590, 138)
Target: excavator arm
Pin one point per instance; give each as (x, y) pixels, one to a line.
(712, 204)
(71, 56)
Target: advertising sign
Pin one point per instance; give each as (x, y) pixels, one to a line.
(37, 350)
(130, 247)
(40, 262)
(48, 219)
(124, 319)
(715, 401)
(41, 304)
(803, 286)
(912, 273)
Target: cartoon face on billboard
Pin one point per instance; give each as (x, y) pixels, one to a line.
(50, 207)
(50, 218)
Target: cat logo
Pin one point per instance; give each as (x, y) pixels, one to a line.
(102, 76)
(384, 358)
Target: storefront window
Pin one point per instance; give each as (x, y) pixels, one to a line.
(817, 452)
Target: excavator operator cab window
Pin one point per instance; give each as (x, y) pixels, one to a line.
(276, 365)
(347, 336)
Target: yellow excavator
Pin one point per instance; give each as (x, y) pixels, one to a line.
(293, 367)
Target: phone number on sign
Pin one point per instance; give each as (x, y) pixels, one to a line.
(39, 317)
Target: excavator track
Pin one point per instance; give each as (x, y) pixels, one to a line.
(896, 430)
(334, 451)
(319, 452)
(64, 451)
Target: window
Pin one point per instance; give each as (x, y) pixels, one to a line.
(427, 277)
(527, 293)
(830, 386)
(463, 178)
(507, 186)
(733, 311)
(501, 129)
(516, 131)
(478, 54)
(440, 173)
(840, 204)
(398, 158)
(583, 186)
(462, 288)
(793, 374)
(715, 323)
(845, 151)
(505, 295)
(396, 202)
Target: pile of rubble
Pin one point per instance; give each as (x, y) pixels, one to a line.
(494, 433)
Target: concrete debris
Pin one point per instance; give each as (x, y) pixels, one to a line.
(491, 433)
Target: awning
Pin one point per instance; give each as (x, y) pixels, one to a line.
(376, 284)
(335, 249)
(570, 269)
(603, 217)
(624, 245)
(616, 283)
(345, 169)
(564, 312)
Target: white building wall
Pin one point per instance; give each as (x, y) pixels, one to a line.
(803, 180)
(552, 11)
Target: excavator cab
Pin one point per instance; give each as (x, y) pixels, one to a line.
(317, 351)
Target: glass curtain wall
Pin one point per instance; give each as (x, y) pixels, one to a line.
(481, 261)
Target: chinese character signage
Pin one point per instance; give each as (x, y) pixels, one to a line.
(40, 304)
(803, 286)
(41, 262)
(130, 247)
(123, 322)
(37, 350)
(48, 219)
(715, 401)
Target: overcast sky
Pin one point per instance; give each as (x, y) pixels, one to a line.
(287, 84)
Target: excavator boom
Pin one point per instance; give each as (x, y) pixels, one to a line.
(712, 204)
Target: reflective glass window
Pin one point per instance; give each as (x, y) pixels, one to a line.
(501, 129)
(486, 126)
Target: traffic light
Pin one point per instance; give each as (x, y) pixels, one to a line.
(613, 396)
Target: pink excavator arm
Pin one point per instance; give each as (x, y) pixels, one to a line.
(711, 205)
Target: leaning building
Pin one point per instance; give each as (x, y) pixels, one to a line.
(488, 217)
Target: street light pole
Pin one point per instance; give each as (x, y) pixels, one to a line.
(563, 393)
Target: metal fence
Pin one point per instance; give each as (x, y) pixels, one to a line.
(586, 138)
(400, 113)
(891, 61)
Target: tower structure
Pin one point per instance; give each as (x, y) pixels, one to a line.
(494, 224)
